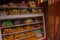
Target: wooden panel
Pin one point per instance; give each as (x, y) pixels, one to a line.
(49, 17)
(50, 2)
(58, 20)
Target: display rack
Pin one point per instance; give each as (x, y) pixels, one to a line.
(22, 17)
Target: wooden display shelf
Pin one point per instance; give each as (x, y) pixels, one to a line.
(25, 37)
(19, 7)
(29, 37)
(23, 31)
(21, 25)
(20, 16)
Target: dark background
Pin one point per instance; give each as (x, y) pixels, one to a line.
(14, 1)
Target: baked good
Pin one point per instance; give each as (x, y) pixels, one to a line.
(38, 33)
(4, 5)
(24, 11)
(32, 4)
(19, 29)
(12, 5)
(29, 27)
(15, 12)
(22, 35)
(10, 37)
(30, 33)
(31, 38)
(40, 11)
(34, 11)
(14, 29)
(5, 38)
(16, 36)
(5, 31)
(3, 13)
(23, 4)
(19, 35)
(27, 21)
